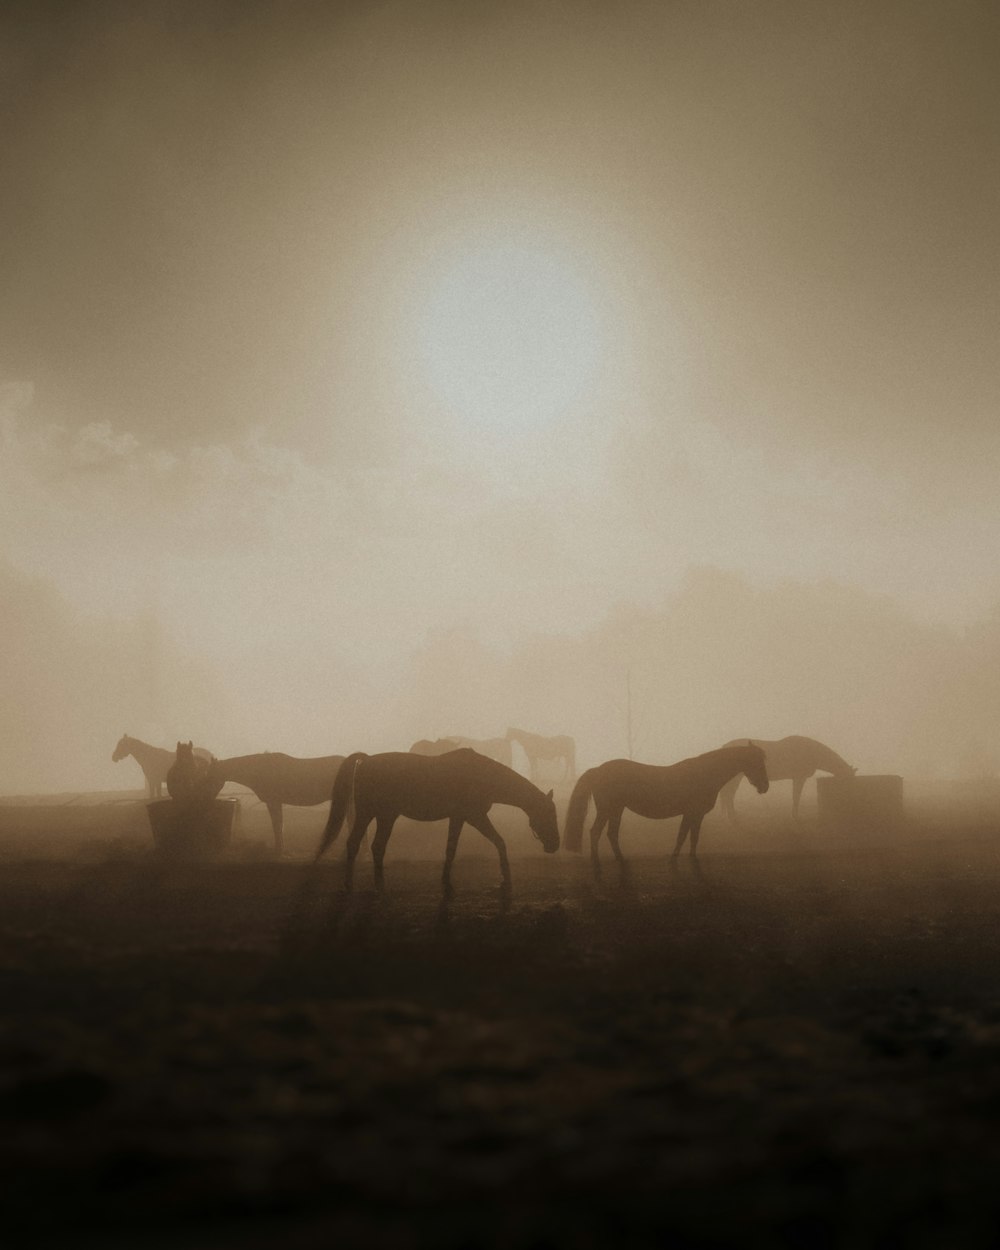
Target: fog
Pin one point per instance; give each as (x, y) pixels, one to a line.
(717, 455)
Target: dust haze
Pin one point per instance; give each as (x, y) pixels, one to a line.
(242, 502)
(623, 375)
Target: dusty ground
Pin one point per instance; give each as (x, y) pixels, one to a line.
(798, 1047)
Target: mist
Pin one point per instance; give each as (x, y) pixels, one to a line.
(602, 386)
(723, 432)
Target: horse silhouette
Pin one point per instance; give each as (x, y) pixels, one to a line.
(494, 748)
(687, 789)
(189, 778)
(460, 786)
(539, 749)
(792, 759)
(277, 779)
(434, 746)
(155, 762)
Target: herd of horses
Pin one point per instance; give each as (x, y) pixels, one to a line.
(459, 780)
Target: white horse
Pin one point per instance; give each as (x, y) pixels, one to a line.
(539, 749)
(155, 762)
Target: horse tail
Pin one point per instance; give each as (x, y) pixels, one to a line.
(341, 797)
(576, 813)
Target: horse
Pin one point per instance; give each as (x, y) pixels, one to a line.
(537, 748)
(792, 759)
(495, 748)
(155, 762)
(276, 779)
(189, 778)
(460, 786)
(687, 789)
(435, 746)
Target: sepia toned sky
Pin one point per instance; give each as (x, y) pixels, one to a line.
(325, 328)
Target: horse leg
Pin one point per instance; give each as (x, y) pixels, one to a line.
(485, 827)
(454, 829)
(695, 831)
(353, 842)
(614, 825)
(275, 811)
(596, 829)
(383, 829)
(797, 784)
(682, 834)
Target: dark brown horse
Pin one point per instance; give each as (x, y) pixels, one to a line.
(460, 787)
(277, 779)
(189, 778)
(561, 748)
(792, 759)
(155, 762)
(687, 789)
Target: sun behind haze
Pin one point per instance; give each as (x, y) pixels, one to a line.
(381, 372)
(510, 336)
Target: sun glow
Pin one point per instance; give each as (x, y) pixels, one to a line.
(510, 336)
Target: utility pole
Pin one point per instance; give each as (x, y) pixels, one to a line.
(628, 709)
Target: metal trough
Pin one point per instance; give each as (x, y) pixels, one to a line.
(193, 828)
(866, 803)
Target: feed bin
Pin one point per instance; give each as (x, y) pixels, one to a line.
(866, 803)
(192, 828)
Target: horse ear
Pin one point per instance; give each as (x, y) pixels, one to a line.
(549, 795)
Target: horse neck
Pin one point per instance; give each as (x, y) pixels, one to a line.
(731, 762)
(517, 791)
(144, 752)
(831, 761)
(239, 768)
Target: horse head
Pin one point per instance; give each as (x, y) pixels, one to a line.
(545, 824)
(123, 748)
(191, 777)
(755, 767)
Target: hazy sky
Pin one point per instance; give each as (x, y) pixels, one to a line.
(325, 326)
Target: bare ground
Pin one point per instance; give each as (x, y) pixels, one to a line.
(797, 1046)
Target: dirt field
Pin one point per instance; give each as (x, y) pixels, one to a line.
(797, 1046)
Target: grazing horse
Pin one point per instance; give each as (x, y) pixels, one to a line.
(276, 779)
(495, 748)
(460, 787)
(537, 748)
(792, 759)
(155, 762)
(687, 789)
(189, 777)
